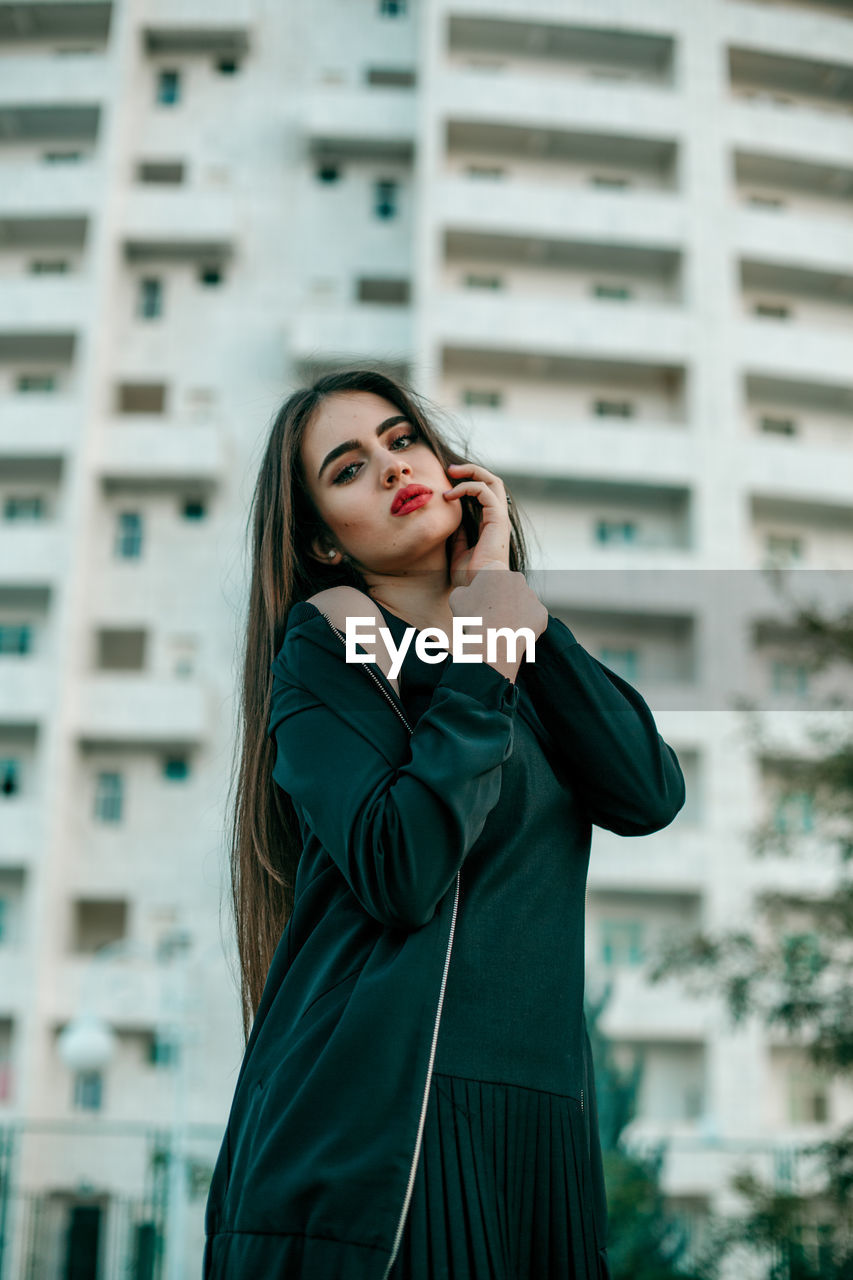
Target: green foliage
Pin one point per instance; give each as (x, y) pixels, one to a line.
(794, 970)
(645, 1241)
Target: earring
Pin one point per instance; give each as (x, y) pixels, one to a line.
(332, 554)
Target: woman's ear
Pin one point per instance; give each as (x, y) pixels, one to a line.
(320, 548)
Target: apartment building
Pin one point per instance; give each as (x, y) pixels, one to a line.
(615, 242)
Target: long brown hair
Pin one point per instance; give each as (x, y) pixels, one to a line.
(263, 833)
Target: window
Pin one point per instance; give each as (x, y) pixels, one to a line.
(37, 382)
(176, 768)
(794, 812)
(609, 181)
(390, 293)
(23, 507)
(385, 198)
(48, 266)
(194, 509)
(15, 638)
(622, 661)
(808, 1095)
(227, 66)
(766, 202)
(141, 397)
(778, 426)
(10, 777)
(88, 1090)
(162, 1051)
(169, 172)
(613, 409)
(328, 173)
(773, 310)
(618, 292)
(392, 8)
(210, 277)
(129, 537)
(484, 171)
(621, 942)
(62, 157)
(108, 797)
(150, 298)
(783, 548)
(391, 77)
(482, 399)
(483, 282)
(168, 87)
(615, 531)
(789, 677)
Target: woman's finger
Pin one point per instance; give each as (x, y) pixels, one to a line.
(477, 488)
(478, 472)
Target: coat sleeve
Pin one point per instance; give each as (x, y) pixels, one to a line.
(604, 738)
(399, 835)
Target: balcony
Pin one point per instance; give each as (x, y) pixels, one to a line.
(367, 122)
(803, 473)
(16, 987)
(761, 124)
(179, 225)
(38, 304)
(801, 236)
(198, 26)
(351, 333)
(793, 349)
(790, 36)
(128, 993)
(547, 210)
(45, 79)
(547, 325)
(35, 554)
(65, 127)
(35, 190)
(25, 818)
(26, 687)
(637, 450)
(795, 187)
(161, 451)
(560, 50)
(535, 151)
(40, 426)
(31, 22)
(531, 100)
(141, 710)
(642, 1011)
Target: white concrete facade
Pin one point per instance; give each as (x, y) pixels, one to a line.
(616, 242)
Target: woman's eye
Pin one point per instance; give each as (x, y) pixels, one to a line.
(339, 478)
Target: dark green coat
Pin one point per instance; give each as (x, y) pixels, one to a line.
(317, 1157)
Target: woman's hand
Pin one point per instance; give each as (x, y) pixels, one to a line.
(492, 545)
(501, 599)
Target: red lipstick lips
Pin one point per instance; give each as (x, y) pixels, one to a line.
(414, 495)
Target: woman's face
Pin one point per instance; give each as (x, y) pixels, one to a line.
(354, 489)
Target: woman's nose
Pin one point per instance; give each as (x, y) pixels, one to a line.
(395, 466)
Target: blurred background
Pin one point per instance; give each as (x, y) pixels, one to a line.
(614, 241)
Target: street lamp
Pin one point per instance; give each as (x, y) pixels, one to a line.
(87, 1043)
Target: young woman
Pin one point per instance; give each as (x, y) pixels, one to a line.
(409, 859)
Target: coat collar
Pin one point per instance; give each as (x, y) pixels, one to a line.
(312, 658)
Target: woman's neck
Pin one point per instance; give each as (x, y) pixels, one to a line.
(419, 604)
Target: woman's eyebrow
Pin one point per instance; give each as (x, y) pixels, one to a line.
(356, 444)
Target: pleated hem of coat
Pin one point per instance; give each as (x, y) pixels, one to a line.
(246, 1255)
(504, 1188)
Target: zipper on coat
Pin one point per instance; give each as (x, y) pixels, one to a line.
(425, 1100)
